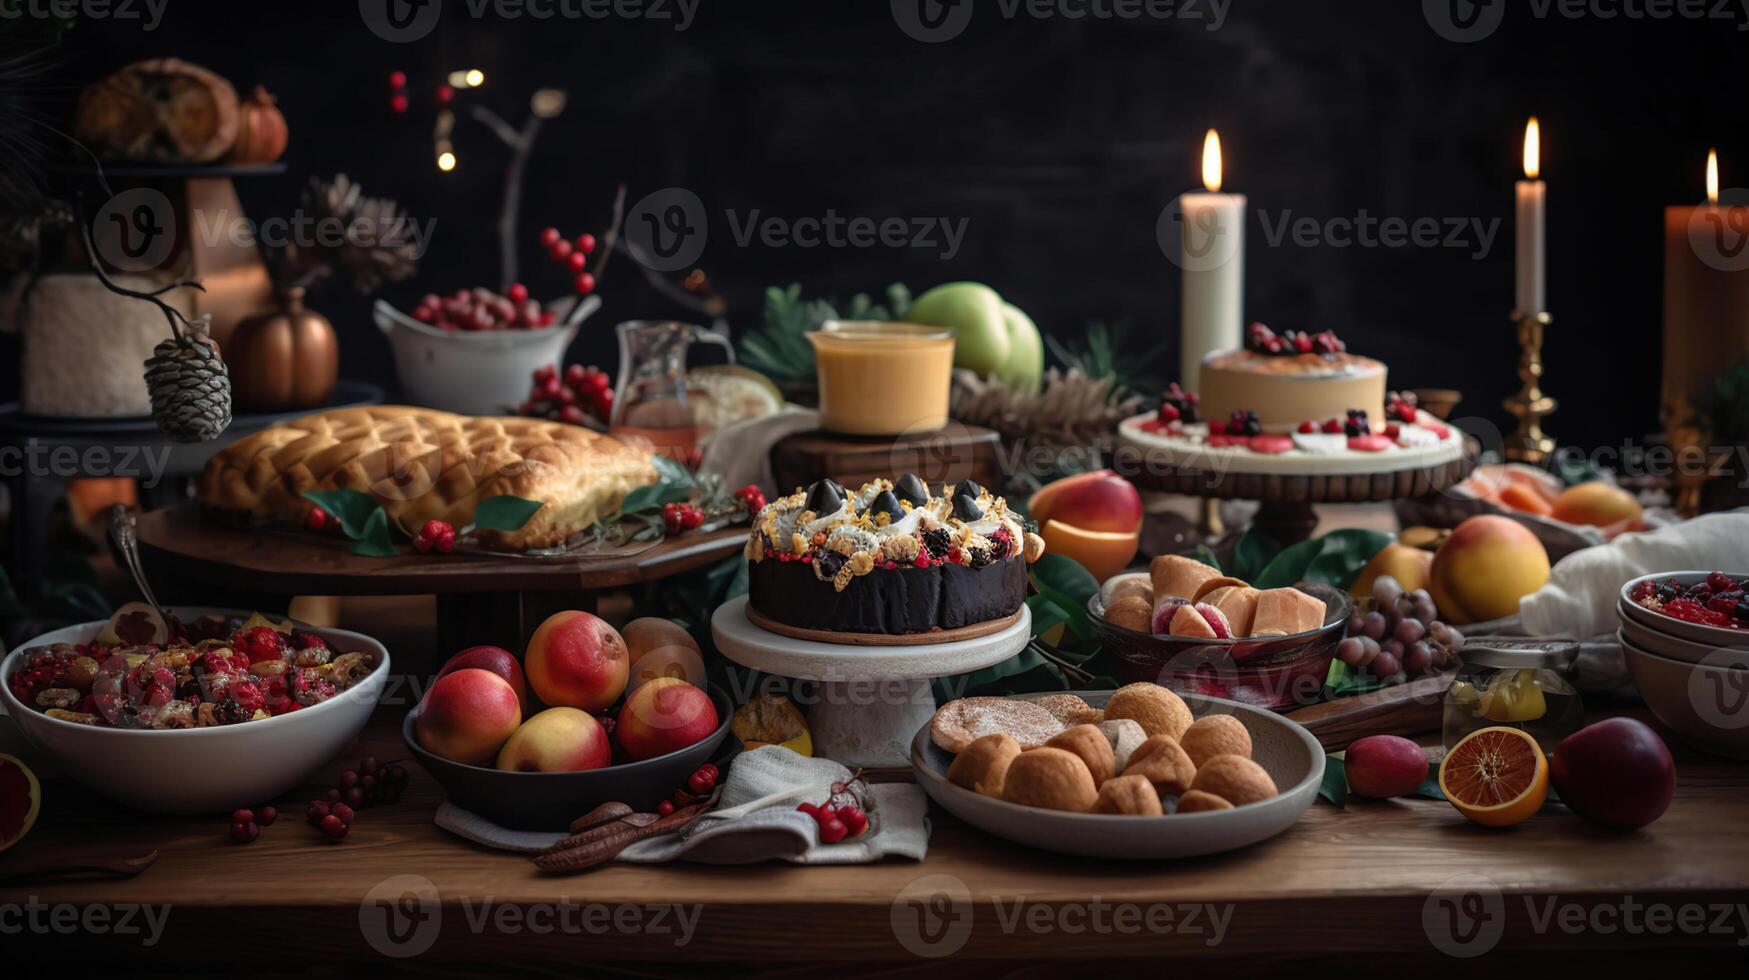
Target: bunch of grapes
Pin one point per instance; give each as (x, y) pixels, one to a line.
(1399, 637)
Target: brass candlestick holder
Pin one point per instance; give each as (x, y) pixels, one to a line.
(1530, 444)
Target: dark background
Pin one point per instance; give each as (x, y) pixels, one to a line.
(1059, 140)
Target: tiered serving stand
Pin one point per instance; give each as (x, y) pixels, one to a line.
(873, 693)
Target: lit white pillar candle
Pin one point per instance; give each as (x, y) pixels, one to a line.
(1213, 260)
(1532, 197)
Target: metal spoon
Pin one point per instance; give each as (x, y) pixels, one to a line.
(124, 531)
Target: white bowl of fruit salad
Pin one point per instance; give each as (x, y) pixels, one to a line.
(208, 711)
(472, 352)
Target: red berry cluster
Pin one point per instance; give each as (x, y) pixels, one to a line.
(246, 824)
(321, 521)
(1402, 406)
(1259, 339)
(438, 536)
(567, 397)
(751, 497)
(573, 257)
(398, 92)
(839, 817)
(481, 309)
(1720, 600)
(698, 786)
(1178, 405)
(681, 517)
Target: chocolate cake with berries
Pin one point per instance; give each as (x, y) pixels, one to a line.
(890, 558)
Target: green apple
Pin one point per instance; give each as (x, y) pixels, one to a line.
(990, 336)
(1026, 358)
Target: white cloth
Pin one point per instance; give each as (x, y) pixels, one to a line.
(741, 453)
(1579, 599)
(897, 816)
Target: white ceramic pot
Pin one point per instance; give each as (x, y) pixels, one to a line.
(485, 372)
(201, 770)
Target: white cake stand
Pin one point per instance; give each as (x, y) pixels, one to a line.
(871, 699)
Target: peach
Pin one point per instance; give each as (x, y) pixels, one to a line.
(661, 648)
(495, 659)
(557, 740)
(1097, 501)
(467, 716)
(1411, 567)
(1104, 553)
(1482, 571)
(576, 660)
(1597, 504)
(664, 715)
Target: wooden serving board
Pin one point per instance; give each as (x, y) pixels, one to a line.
(1408, 709)
(949, 455)
(882, 639)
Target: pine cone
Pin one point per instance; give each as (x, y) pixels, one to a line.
(378, 244)
(190, 388)
(1071, 413)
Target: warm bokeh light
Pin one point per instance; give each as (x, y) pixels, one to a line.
(1211, 161)
(476, 78)
(1533, 149)
(446, 161)
(1712, 176)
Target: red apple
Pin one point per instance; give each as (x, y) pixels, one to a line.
(495, 659)
(1383, 766)
(1098, 501)
(576, 660)
(467, 716)
(1617, 772)
(664, 715)
(557, 740)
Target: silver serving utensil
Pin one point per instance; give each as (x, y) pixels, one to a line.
(124, 531)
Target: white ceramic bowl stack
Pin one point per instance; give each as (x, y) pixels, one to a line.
(1695, 678)
(201, 770)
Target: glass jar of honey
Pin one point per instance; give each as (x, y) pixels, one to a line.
(882, 379)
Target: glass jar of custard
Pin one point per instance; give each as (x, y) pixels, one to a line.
(882, 379)
(1521, 683)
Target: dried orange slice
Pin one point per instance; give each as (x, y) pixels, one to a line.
(1496, 777)
(20, 797)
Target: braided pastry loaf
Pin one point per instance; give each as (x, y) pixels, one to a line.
(423, 465)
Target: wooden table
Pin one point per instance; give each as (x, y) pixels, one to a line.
(483, 598)
(1352, 884)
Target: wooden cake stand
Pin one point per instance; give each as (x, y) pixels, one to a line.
(482, 598)
(871, 700)
(1285, 512)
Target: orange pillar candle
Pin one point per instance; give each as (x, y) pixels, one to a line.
(1706, 296)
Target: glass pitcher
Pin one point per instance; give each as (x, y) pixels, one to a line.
(650, 403)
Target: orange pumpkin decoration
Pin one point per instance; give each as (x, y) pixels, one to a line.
(284, 360)
(261, 130)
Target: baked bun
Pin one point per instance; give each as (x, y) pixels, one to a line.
(1156, 709)
(1051, 778)
(1178, 577)
(1235, 779)
(957, 723)
(1200, 801)
(1091, 746)
(1070, 710)
(1132, 612)
(1131, 796)
(1162, 761)
(1125, 735)
(1213, 735)
(1131, 584)
(983, 766)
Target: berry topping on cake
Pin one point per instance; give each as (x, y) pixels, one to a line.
(1259, 339)
(1308, 427)
(937, 542)
(1357, 424)
(1182, 402)
(965, 508)
(884, 509)
(911, 490)
(1217, 428)
(1333, 427)
(1244, 423)
(825, 497)
(1402, 406)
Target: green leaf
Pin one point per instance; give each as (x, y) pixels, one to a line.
(1252, 554)
(1202, 553)
(1066, 575)
(504, 513)
(373, 539)
(1429, 788)
(1334, 786)
(1047, 614)
(352, 507)
(1334, 559)
(673, 485)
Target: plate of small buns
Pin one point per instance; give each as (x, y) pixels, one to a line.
(1140, 772)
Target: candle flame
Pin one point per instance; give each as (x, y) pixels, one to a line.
(1533, 149)
(1211, 161)
(1712, 176)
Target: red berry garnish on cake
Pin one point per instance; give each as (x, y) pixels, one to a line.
(1333, 427)
(1168, 414)
(1308, 427)
(1217, 428)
